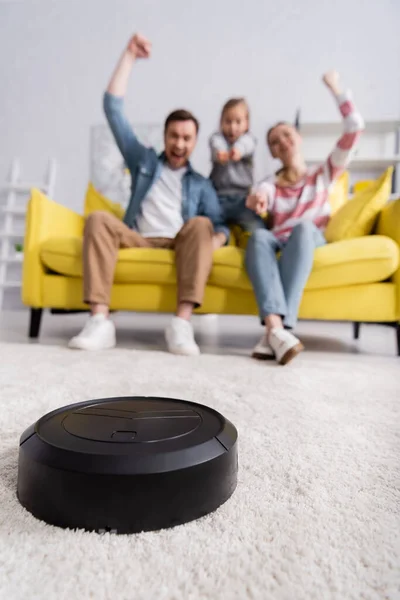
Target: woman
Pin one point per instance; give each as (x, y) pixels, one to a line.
(298, 208)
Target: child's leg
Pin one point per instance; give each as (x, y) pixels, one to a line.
(246, 218)
(228, 205)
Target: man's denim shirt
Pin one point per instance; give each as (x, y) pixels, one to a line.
(199, 197)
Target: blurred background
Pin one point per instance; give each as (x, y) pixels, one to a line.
(56, 58)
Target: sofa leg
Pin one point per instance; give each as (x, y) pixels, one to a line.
(35, 320)
(356, 330)
(398, 338)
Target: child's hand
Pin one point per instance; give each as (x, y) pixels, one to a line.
(222, 157)
(235, 154)
(258, 202)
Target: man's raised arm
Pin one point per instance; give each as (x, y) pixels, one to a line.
(113, 102)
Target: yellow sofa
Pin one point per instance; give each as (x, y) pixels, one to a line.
(355, 280)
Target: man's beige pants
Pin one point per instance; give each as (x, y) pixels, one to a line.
(104, 235)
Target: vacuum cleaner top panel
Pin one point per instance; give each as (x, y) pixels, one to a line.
(132, 435)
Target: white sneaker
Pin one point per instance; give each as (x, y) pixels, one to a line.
(263, 351)
(284, 344)
(98, 334)
(180, 339)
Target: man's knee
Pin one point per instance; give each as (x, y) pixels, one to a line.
(96, 220)
(198, 225)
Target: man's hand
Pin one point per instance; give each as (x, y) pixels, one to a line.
(258, 202)
(222, 157)
(139, 46)
(218, 240)
(235, 155)
(332, 81)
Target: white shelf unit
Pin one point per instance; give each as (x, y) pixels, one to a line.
(377, 149)
(336, 127)
(13, 260)
(13, 211)
(14, 197)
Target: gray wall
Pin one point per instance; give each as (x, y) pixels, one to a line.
(56, 57)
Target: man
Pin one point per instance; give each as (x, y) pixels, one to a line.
(171, 206)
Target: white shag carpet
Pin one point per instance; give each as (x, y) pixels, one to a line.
(316, 514)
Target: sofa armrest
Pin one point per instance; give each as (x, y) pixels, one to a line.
(389, 225)
(45, 219)
(389, 221)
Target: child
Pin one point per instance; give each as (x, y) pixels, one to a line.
(232, 150)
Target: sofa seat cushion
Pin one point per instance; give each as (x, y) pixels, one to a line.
(134, 265)
(360, 260)
(64, 256)
(368, 259)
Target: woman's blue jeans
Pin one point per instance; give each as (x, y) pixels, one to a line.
(278, 283)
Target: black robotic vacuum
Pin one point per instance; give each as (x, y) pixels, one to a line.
(127, 464)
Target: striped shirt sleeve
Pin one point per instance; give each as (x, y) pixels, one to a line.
(342, 154)
(268, 189)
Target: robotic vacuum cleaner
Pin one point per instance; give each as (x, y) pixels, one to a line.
(127, 464)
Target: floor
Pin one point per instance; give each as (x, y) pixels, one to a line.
(316, 512)
(215, 334)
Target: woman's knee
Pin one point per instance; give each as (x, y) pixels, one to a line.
(262, 237)
(304, 229)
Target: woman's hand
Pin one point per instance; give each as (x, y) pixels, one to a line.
(257, 202)
(332, 81)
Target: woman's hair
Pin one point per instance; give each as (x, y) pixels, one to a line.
(270, 130)
(284, 172)
(232, 103)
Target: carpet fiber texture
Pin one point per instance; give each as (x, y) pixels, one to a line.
(316, 514)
